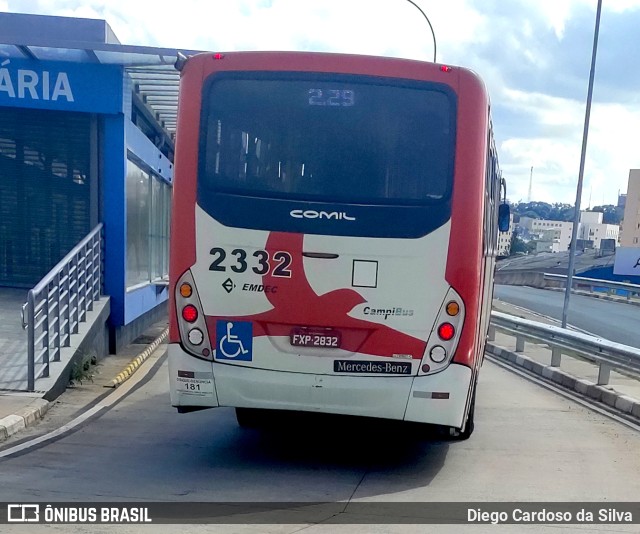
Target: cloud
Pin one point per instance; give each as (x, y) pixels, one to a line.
(554, 143)
(534, 56)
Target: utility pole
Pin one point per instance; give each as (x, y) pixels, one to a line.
(585, 134)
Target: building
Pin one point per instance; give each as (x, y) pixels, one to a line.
(630, 235)
(86, 137)
(555, 236)
(549, 241)
(627, 261)
(550, 236)
(504, 240)
(591, 217)
(593, 230)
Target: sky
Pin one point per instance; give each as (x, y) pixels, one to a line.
(534, 56)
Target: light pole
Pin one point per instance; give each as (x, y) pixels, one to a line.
(428, 22)
(585, 134)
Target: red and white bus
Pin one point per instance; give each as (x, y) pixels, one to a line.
(333, 237)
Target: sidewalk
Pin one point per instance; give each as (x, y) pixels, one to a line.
(19, 410)
(581, 376)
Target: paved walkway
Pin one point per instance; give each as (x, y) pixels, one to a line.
(19, 409)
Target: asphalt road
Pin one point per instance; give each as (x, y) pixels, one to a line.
(530, 444)
(611, 320)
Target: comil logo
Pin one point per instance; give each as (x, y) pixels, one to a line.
(313, 214)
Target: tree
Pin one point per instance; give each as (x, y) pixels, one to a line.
(520, 246)
(610, 214)
(542, 210)
(562, 212)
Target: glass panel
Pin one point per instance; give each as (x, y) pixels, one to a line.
(138, 212)
(148, 204)
(340, 139)
(131, 58)
(10, 51)
(60, 54)
(167, 210)
(157, 229)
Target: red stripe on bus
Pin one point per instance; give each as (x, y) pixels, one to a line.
(296, 303)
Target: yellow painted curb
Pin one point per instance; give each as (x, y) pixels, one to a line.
(137, 361)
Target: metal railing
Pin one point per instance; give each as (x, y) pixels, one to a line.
(56, 306)
(593, 284)
(608, 355)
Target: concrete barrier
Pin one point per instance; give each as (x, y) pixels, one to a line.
(522, 278)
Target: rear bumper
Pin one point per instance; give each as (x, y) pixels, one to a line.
(437, 399)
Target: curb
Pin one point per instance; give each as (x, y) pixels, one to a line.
(612, 398)
(126, 373)
(28, 416)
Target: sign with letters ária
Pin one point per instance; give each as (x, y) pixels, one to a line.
(86, 87)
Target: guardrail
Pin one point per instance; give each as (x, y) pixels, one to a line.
(631, 290)
(608, 355)
(56, 306)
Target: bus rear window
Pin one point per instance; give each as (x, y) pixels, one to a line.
(343, 139)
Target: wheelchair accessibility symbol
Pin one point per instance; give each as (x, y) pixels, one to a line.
(234, 340)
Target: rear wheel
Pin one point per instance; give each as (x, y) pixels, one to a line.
(248, 417)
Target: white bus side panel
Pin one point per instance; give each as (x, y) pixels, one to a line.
(424, 408)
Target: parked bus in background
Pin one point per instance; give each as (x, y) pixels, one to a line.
(333, 239)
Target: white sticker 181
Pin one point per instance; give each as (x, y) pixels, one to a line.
(195, 386)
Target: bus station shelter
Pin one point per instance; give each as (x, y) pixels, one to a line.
(87, 128)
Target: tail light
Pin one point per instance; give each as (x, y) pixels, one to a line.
(191, 320)
(186, 290)
(446, 331)
(444, 337)
(190, 313)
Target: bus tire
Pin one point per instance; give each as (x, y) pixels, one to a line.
(248, 417)
(459, 434)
